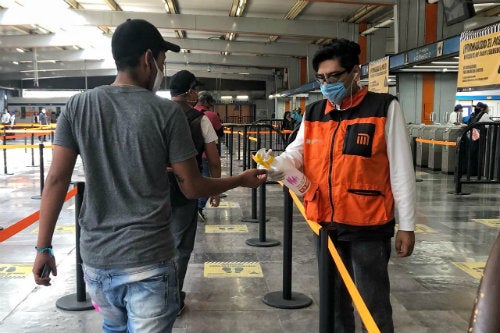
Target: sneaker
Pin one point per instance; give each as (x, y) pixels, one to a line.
(201, 215)
(181, 308)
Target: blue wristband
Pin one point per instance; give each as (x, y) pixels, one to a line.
(41, 250)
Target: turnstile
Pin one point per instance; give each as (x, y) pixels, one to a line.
(424, 132)
(448, 156)
(435, 149)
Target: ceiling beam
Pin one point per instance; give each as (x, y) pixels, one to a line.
(243, 25)
(210, 45)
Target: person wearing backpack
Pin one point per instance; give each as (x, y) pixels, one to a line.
(183, 89)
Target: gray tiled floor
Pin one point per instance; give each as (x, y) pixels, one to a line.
(430, 293)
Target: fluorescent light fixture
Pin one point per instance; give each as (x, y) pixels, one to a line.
(445, 63)
(242, 97)
(15, 62)
(226, 97)
(377, 26)
(19, 50)
(28, 93)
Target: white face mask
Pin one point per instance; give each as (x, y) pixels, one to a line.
(158, 78)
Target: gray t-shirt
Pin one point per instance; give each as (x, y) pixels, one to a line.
(126, 137)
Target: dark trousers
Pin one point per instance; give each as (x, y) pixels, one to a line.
(367, 263)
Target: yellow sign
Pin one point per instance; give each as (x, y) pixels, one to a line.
(226, 204)
(225, 228)
(474, 269)
(479, 59)
(232, 269)
(494, 223)
(60, 229)
(15, 270)
(378, 75)
(421, 229)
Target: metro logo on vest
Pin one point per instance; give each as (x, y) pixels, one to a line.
(358, 139)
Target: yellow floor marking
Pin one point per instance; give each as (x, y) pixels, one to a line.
(474, 269)
(494, 223)
(225, 228)
(421, 229)
(60, 229)
(15, 270)
(232, 269)
(226, 204)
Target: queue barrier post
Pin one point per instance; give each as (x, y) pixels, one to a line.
(42, 173)
(262, 241)
(286, 299)
(326, 317)
(81, 300)
(5, 172)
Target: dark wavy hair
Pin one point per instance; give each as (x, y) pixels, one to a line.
(346, 51)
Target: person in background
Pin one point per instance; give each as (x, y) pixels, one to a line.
(205, 104)
(481, 112)
(5, 117)
(183, 89)
(354, 148)
(12, 119)
(287, 124)
(297, 117)
(126, 242)
(43, 120)
(456, 115)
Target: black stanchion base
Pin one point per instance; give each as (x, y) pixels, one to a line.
(36, 197)
(298, 301)
(70, 303)
(251, 220)
(258, 243)
(8, 174)
(32, 166)
(461, 193)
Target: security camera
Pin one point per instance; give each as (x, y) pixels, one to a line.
(209, 69)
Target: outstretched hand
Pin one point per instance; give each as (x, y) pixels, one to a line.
(253, 177)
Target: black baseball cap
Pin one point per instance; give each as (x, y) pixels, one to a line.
(182, 81)
(135, 36)
(482, 105)
(458, 107)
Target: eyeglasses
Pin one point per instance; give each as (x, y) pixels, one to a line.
(332, 77)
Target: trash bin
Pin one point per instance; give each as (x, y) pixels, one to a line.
(424, 132)
(448, 155)
(435, 149)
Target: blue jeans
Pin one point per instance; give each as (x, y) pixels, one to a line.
(183, 226)
(367, 263)
(135, 300)
(205, 171)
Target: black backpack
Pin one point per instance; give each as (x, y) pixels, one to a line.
(177, 198)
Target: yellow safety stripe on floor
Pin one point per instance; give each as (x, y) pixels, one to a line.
(15, 270)
(360, 305)
(474, 269)
(495, 223)
(421, 229)
(60, 229)
(225, 204)
(232, 269)
(226, 228)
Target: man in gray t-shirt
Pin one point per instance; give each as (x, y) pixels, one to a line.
(126, 243)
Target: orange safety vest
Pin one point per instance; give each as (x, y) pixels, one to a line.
(345, 157)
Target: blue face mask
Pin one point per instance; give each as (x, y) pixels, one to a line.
(334, 92)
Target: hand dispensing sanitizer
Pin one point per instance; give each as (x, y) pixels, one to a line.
(293, 178)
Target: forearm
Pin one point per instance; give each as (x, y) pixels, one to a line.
(53, 196)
